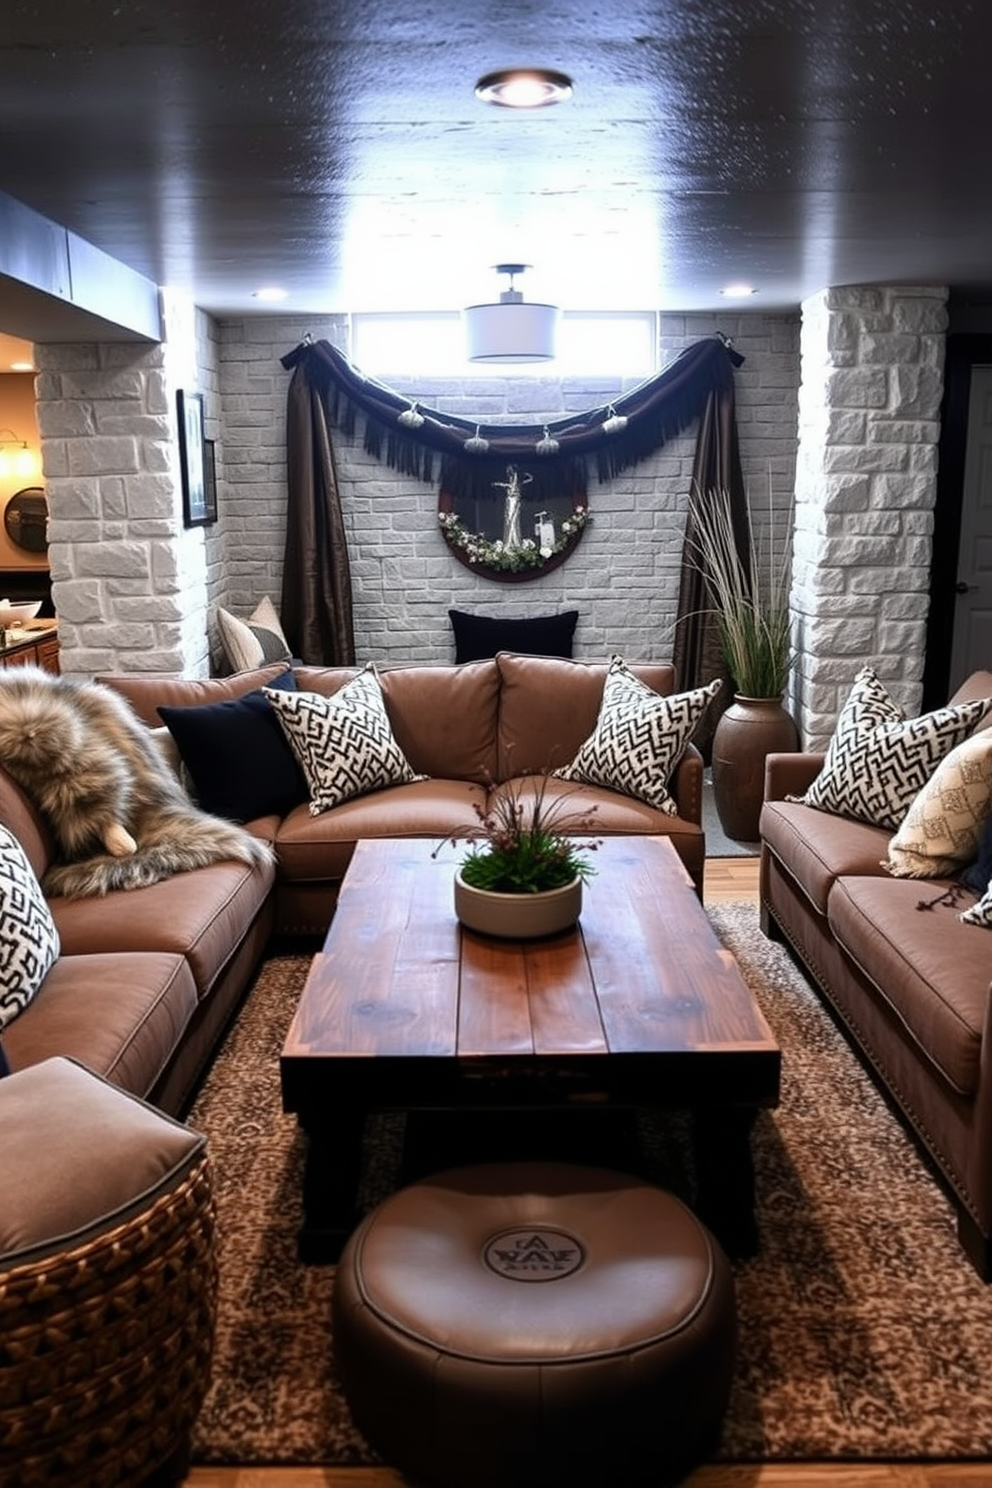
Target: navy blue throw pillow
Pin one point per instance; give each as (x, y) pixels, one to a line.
(239, 760)
(4, 1066)
(978, 874)
(479, 637)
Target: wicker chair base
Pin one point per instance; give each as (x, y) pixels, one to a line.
(105, 1350)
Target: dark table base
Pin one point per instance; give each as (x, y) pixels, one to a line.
(703, 1157)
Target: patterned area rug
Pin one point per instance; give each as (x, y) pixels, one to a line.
(863, 1331)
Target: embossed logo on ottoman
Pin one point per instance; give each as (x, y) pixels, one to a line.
(533, 1255)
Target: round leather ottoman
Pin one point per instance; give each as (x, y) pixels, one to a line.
(535, 1324)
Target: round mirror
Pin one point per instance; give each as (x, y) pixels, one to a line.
(25, 519)
(514, 528)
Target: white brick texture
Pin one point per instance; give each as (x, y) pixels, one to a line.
(869, 421)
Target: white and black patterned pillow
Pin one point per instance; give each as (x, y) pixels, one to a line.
(29, 941)
(878, 760)
(344, 742)
(980, 913)
(639, 737)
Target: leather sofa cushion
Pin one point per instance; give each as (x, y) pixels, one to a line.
(443, 717)
(319, 848)
(20, 817)
(817, 848)
(145, 691)
(932, 971)
(120, 1015)
(549, 707)
(58, 1122)
(201, 915)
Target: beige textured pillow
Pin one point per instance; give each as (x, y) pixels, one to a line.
(940, 831)
(254, 642)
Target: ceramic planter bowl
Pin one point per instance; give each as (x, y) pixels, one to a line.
(518, 916)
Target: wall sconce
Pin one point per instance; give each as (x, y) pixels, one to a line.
(511, 331)
(16, 458)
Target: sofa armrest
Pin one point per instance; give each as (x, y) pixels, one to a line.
(790, 774)
(686, 786)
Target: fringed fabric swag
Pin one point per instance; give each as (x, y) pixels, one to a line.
(468, 459)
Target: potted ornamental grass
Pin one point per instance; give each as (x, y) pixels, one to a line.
(526, 863)
(749, 591)
(750, 596)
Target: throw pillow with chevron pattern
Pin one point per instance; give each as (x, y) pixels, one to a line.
(941, 830)
(344, 742)
(878, 760)
(639, 737)
(29, 941)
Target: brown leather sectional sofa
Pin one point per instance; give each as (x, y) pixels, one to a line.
(461, 727)
(148, 979)
(910, 986)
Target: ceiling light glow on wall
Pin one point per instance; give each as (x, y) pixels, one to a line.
(738, 291)
(524, 87)
(511, 330)
(270, 293)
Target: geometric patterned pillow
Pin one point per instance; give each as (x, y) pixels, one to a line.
(29, 941)
(942, 827)
(980, 913)
(878, 760)
(344, 743)
(639, 737)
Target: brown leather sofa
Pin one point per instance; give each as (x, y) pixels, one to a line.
(147, 980)
(461, 727)
(909, 986)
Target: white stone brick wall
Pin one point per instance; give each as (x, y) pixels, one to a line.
(106, 434)
(128, 581)
(869, 422)
(623, 576)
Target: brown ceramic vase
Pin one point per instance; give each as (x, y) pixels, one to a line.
(748, 730)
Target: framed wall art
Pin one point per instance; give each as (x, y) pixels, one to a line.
(199, 496)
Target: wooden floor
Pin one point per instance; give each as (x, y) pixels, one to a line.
(778, 1475)
(726, 879)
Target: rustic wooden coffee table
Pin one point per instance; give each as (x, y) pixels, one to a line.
(638, 1006)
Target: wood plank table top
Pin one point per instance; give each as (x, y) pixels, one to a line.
(638, 1004)
(642, 973)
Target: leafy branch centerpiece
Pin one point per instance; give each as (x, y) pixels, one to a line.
(527, 861)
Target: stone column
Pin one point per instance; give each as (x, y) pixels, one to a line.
(128, 581)
(869, 421)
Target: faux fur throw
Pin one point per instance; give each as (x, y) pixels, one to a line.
(118, 816)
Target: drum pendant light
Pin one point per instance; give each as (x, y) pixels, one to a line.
(511, 330)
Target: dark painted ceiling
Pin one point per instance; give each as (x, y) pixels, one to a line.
(335, 147)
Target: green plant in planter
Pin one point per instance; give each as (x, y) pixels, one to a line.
(750, 597)
(526, 844)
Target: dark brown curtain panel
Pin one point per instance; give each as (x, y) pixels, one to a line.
(316, 606)
(696, 653)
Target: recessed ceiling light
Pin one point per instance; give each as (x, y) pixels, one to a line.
(738, 291)
(270, 292)
(524, 87)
